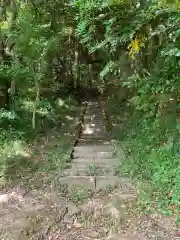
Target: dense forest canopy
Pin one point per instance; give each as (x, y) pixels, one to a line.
(128, 49)
(43, 41)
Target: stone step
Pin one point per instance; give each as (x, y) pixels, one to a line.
(89, 182)
(77, 181)
(102, 182)
(98, 161)
(93, 103)
(94, 110)
(92, 142)
(94, 114)
(94, 118)
(94, 134)
(93, 107)
(99, 166)
(104, 171)
(91, 117)
(93, 155)
(92, 128)
(91, 148)
(104, 137)
(93, 124)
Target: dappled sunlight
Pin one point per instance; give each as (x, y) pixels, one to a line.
(93, 103)
(15, 148)
(5, 198)
(45, 107)
(92, 128)
(43, 111)
(98, 129)
(86, 86)
(69, 118)
(20, 149)
(88, 129)
(68, 134)
(60, 102)
(27, 105)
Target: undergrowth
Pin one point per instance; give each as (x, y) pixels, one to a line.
(152, 150)
(33, 154)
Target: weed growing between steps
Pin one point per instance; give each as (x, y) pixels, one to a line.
(152, 156)
(80, 194)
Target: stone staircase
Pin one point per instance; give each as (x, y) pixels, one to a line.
(93, 159)
(110, 216)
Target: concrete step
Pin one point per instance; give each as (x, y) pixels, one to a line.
(100, 167)
(93, 155)
(93, 111)
(100, 161)
(93, 103)
(92, 128)
(77, 181)
(102, 182)
(93, 122)
(93, 169)
(94, 134)
(104, 137)
(89, 182)
(91, 148)
(92, 142)
(97, 116)
(99, 171)
(94, 114)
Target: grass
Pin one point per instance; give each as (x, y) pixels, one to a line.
(92, 169)
(152, 156)
(79, 194)
(25, 152)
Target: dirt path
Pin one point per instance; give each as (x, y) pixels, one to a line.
(88, 200)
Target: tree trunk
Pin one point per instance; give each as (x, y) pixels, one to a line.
(36, 102)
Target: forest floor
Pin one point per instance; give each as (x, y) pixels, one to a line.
(37, 206)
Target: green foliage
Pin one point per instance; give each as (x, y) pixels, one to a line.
(152, 150)
(139, 42)
(25, 152)
(79, 194)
